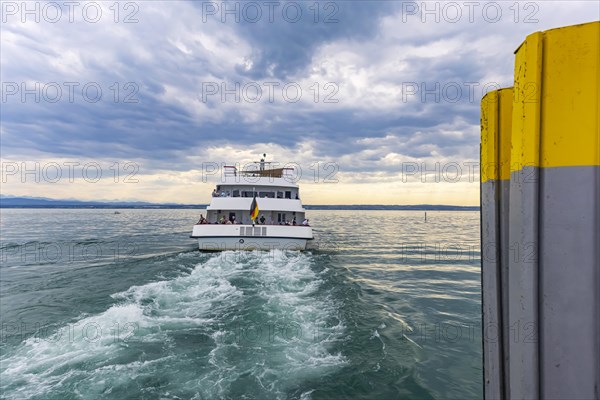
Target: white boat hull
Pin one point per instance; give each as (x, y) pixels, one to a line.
(218, 237)
(235, 243)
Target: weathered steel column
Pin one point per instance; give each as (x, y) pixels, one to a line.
(496, 115)
(541, 221)
(569, 218)
(523, 231)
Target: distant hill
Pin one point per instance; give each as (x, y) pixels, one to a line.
(416, 207)
(43, 202)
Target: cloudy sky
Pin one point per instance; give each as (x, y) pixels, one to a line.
(375, 102)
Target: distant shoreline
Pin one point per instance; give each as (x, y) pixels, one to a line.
(42, 202)
(307, 207)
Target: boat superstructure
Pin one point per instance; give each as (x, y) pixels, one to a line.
(280, 221)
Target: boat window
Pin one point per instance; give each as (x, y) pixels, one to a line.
(266, 194)
(242, 230)
(236, 193)
(288, 195)
(280, 195)
(264, 231)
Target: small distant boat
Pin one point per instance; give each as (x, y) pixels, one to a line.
(258, 207)
(116, 212)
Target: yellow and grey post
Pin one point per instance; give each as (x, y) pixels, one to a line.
(496, 115)
(541, 288)
(523, 288)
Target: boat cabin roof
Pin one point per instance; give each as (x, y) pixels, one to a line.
(259, 168)
(261, 173)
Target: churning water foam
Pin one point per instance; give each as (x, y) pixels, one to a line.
(256, 324)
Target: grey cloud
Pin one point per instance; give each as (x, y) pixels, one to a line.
(170, 122)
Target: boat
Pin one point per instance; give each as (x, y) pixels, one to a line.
(255, 207)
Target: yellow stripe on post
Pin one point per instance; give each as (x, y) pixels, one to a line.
(527, 96)
(555, 118)
(570, 130)
(489, 136)
(496, 127)
(505, 109)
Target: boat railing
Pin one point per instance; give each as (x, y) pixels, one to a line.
(250, 224)
(259, 169)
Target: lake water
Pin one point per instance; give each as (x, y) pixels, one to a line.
(102, 305)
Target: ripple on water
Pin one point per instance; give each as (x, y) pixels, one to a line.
(204, 333)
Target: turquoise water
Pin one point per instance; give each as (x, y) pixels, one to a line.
(102, 305)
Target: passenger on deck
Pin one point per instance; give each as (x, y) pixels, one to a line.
(202, 220)
(215, 194)
(305, 222)
(294, 221)
(262, 220)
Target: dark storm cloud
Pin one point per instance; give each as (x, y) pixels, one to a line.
(161, 127)
(172, 52)
(284, 38)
